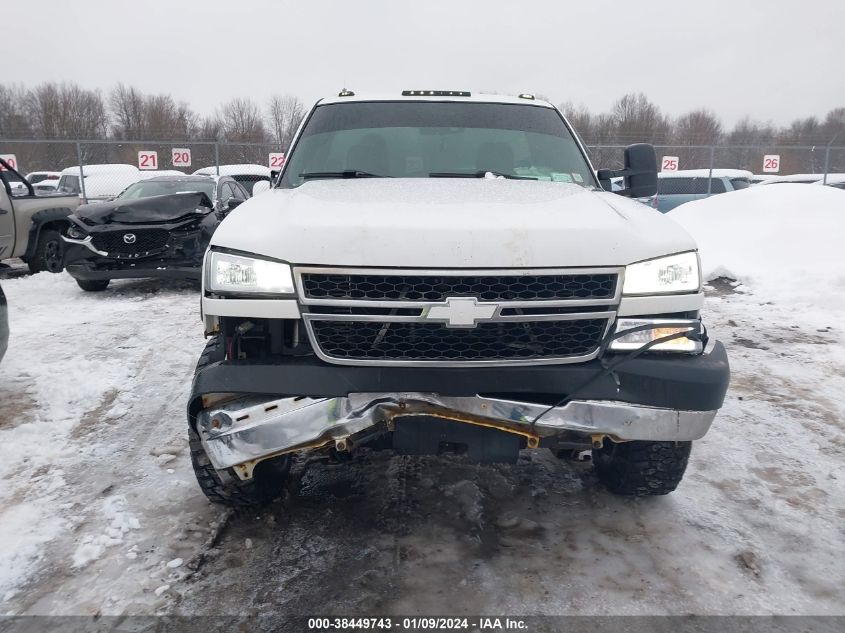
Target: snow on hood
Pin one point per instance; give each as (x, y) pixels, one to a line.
(786, 241)
(485, 223)
(152, 209)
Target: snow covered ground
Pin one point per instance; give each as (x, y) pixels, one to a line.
(99, 511)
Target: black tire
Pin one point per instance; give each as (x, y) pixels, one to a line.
(93, 285)
(226, 487)
(49, 253)
(642, 469)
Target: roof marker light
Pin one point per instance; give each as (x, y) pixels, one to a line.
(525, 95)
(436, 93)
(345, 93)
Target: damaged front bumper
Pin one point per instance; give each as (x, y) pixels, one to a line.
(240, 433)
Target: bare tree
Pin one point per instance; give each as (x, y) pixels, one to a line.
(242, 121)
(66, 111)
(284, 113)
(637, 119)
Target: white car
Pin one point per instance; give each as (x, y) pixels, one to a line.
(438, 271)
(44, 181)
(247, 174)
(100, 182)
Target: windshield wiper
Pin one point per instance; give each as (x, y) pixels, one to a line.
(346, 173)
(477, 174)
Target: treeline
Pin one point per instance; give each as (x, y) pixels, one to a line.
(68, 111)
(633, 118)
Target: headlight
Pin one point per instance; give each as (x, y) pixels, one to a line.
(675, 273)
(662, 327)
(75, 233)
(236, 274)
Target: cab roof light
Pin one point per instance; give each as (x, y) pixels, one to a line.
(436, 93)
(526, 95)
(345, 93)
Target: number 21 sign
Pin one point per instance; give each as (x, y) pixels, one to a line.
(147, 160)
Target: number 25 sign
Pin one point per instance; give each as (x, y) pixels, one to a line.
(669, 163)
(147, 160)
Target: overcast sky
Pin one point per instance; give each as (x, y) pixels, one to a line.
(774, 60)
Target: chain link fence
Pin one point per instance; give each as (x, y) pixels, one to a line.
(773, 160)
(102, 169)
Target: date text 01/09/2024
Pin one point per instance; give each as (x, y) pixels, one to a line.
(417, 624)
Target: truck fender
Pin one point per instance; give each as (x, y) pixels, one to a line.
(39, 219)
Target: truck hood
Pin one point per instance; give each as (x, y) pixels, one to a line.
(150, 210)
(445, 223)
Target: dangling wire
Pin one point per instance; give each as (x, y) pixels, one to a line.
(697, 333)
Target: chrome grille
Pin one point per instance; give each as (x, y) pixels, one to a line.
(493, 341)
(407, 287)
(457, 317)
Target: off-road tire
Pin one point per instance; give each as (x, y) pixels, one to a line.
(227, 488)
(49, 253)
(93, 285)
(642, 469)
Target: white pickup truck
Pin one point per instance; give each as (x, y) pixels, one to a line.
(435, 272)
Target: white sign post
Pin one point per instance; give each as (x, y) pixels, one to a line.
(277, 160)
(147, 159)
(771, 163)
(181, 157)
(669, 163)
(11, 159)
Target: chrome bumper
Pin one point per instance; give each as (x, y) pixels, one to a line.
(240, 433)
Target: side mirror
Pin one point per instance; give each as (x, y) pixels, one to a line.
(274, 173)
(232, 203)
(639, 173)
(260, 187)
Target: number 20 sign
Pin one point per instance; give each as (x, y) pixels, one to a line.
(180, 157)
(147, 159)
(669, 163)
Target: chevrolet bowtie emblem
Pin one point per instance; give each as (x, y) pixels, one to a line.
(461, 312)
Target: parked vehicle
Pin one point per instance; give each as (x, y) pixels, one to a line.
(4, 324)
(677, 187)
(439, 272)
(247, 174)
(158, 227)
(30, 224)
(803, 179)
(37, 177)
(833, 180)
(101, 182)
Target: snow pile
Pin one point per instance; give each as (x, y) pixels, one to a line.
(119, 523)
(783, 242)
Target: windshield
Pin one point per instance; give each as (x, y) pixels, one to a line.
(148, 188)
(434, 139)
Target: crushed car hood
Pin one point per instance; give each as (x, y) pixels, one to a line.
(166, 208)
(485, 223)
